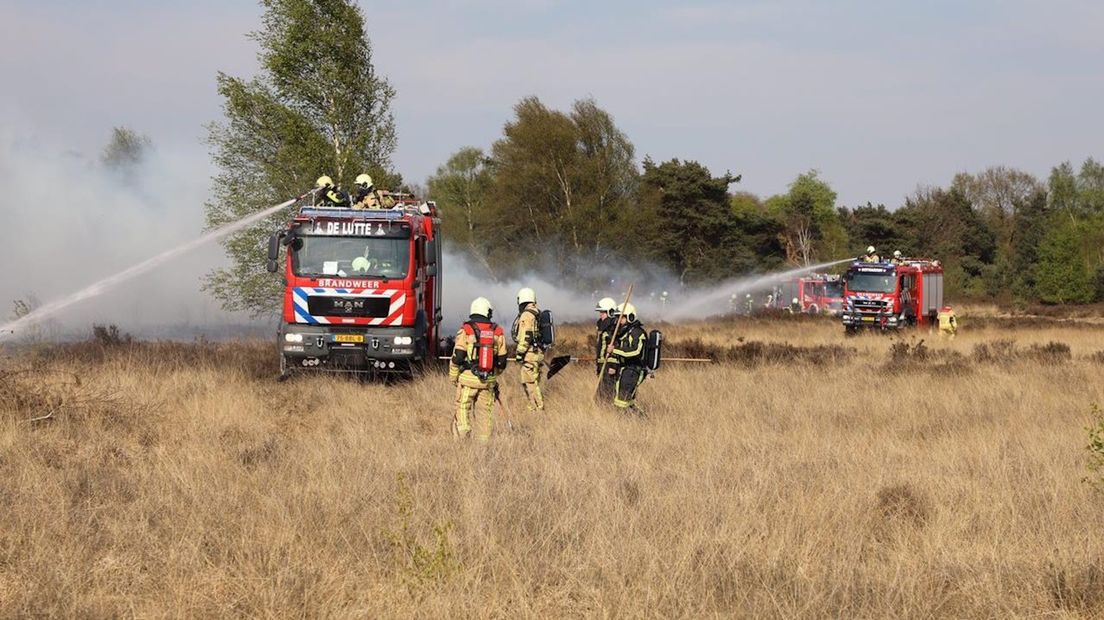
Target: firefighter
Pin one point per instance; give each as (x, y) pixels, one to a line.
(368, 197)
(628, 351)
(530, 350)
(606, 308)
(749, 303)
(367, 262)
(795, 306)
(328, 195)
(478, 358)
(897, 258)
(871, 256)
(948, 322)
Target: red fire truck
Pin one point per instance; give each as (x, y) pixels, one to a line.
(892, 295)
(820, 292)
(815, 293)
(363, 287)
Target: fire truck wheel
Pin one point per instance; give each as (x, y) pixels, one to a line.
(813, 309)
(850, 331)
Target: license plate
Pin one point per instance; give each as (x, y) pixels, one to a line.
(348, 338)
(868, 319)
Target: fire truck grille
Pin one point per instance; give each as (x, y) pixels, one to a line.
(367, 307)
(869, 305)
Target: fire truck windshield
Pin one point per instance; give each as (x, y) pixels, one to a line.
(872, 282)
(833, 288)
(350, 257)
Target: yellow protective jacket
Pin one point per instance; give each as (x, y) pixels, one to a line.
(372, 199)
(948, 322)
(526, 334)
(463, 364)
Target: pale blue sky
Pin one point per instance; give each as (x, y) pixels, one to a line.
(879, 96)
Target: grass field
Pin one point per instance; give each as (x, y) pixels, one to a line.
(806, 475)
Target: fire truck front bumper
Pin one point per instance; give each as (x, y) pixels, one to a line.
(877, 321)
(384, 348)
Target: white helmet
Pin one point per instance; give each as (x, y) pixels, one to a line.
(364, 180)
(628, 311)
(869, 249)
(526, 296)
(606, 304)
(324, 181)
(481, 306)
(360, 263)
(794, 301)
(896, 253)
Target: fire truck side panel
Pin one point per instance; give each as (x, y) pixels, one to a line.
(933, 294)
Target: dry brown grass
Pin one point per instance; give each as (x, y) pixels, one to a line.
(889, 479)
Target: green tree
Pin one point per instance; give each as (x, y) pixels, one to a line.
(1061, 275)
(462, 188)
(317, 107)
(685, 222)
(1029, 227)
(1090, 182)
(876, 226)
(812, 229)
(943, 225)
(562, 181)
(125, 151)
(997, 194)
(755, 245)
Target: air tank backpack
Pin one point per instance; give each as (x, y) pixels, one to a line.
(547, 328)
(653, 350)
(482, 362)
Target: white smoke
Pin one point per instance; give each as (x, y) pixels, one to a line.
(71, 222)
(569, 302)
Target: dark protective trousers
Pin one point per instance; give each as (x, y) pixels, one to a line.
(628, 380)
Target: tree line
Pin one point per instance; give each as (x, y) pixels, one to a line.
(563, 191)
(560, 191)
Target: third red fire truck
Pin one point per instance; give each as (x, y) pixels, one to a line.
(892, 295)
(820, 292)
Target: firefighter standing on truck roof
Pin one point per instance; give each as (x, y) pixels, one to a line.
(368, 197)
(871, 256)
(478, 358)
(628, 350)
(897, 258)
(327, 195)
(948, 322)
(606, 306)
(530, 348)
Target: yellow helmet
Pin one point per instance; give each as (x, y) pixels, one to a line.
(628, 311)
(360, 263)
(364, 180)
(870, 249)
(606, 304)
(481, 306)
(324, 181)
(526, 296)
